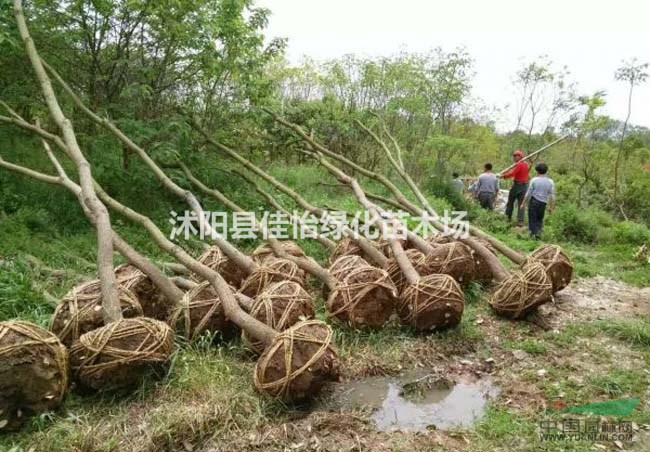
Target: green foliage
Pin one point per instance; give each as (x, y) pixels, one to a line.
(18, 297)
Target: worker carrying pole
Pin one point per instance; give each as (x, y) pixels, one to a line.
(518, 171)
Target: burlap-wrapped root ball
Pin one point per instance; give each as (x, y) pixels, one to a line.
(298, 362)
(364, 298)
(270, 271)
(120, 354)
(33, 372)
(201, 310)
(281, 305)
(483, 272)
(214, 258)
(80, 310)
(395, 273)
(265, 251)
(557, 264)
(154, 303)
(345, 247)
(523, 291)
(454, 259)
(434, 302)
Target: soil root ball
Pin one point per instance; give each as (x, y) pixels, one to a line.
(265, 251)
(33, 372)
(80, 310)
(384, 245)
(454, 259)
(281, 305)
(435, 302)
(345, 247)
(272, 270)
(364, 298)
(154, 303)
(214, 258)
(120, 354)
(557, 263)
(523, 291)
(341, 267)
(201, 310)
(395, 273)
(298, 362)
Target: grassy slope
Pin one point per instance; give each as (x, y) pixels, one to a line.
(207, 397)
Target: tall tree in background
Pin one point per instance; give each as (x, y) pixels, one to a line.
(633, 73)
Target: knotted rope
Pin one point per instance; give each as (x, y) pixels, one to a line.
(523, 291)
(454, 259)
(435, 301)
(272, 270)
(557, 263)
(265, 251)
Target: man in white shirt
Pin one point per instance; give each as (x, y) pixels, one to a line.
(541, 191)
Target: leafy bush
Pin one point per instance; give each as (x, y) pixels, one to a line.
(627, 232)
(569, 223)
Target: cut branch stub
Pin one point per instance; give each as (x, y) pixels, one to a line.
(154, 303)
(80, 310)
(199, 311)
(272, 270)
(281, 305)
(557, 263)
(364, 296)
(523, 291)
(33, 372)
(298, 362)
(433, 302)
(121, 354)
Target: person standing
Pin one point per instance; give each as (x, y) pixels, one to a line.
(519, 174)
(540, 193)
(487, 188)
(457, 183)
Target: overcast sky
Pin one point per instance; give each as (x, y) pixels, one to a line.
(590, 37)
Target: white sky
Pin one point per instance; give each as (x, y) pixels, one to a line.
(590, 37)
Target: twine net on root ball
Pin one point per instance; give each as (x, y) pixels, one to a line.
(33, 372)
(120, 354)
(345, 247)
(395, 273)
(265, 251)
(201, 310)
(523, 291)
(341, 267)
(214, 258)
(298, 362)
(154, 303)
(454, 259)
(280, 305)
(80, 310)
(557, 264)
(364, 298)
(434, 302)
(272, 270)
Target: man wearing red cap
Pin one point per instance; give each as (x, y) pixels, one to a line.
(519, 187)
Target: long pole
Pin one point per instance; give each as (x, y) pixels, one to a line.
(534, 154)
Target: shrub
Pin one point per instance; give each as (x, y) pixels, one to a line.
(627, 232)
(573, 224)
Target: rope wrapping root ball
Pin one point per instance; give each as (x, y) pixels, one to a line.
(281, 305)
(201, 310)
(454, 259)
(345, 247)
(80, 310)
(523, 291)
(557, 263)
(395, 273)
(340, 269)
(120, 354)
(214, 258)
(435, 302)
(265, 251)
(33, 372)
(298, 362)
(272, 270)
(364, 296)
(154, 303)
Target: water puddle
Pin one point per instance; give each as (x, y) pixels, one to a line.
(416, 402)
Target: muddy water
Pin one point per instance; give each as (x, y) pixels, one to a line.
(416, 402)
